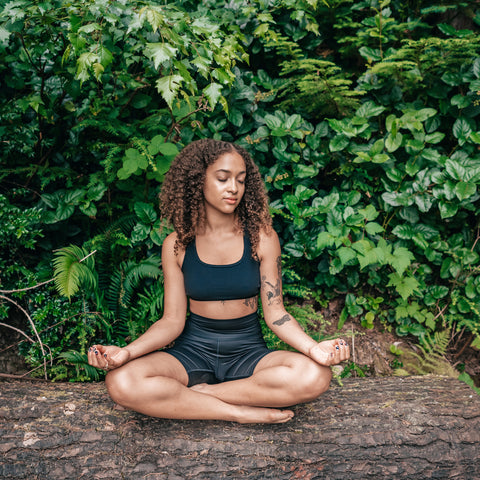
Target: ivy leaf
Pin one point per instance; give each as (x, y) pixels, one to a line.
(168, 87)
(154, 18)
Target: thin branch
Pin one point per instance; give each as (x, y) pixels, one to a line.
(21, 377)
(18, 330)
(28, 288)
(34, 329)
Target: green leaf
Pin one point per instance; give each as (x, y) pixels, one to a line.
(338, 143)
(401, 259)
(70, 273)
(372, 228)
(455, 170)
(140, 232)
(405, 286)
(461, 129)
(346, 254)
(160, 53)
(447, 210)
(145, 212)
(168, 87)
(465, 190)
(392, 142)
(434, 138)
(213, 93)
(405, 232)
(324, 240)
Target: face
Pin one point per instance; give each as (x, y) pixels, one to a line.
(225, 183)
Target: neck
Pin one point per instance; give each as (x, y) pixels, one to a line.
(217, 222)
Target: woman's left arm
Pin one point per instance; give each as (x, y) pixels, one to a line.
(279, 320)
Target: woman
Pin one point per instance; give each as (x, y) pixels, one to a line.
(221, 256)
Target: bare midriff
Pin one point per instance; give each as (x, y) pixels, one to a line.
(224, 309)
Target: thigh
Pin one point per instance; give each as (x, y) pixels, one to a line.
(299, 365)
(156, 364)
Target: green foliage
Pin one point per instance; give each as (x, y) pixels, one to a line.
(70, 273)
(363, 117)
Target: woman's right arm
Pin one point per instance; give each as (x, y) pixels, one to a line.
(163, 331)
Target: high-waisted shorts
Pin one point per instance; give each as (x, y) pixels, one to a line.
(214, 351)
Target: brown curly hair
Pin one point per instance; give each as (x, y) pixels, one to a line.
(182, 199)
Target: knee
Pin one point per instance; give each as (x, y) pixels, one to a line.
(315, 380)
(120, 386)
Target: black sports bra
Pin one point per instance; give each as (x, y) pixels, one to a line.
(206, 282)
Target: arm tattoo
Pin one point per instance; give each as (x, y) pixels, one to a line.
(279, 266)
(273, 292)
(281, 321)
(251, 302)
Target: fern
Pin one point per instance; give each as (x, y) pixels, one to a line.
(315, 85)
(431, 359)
(125, 280)
(429, 56)
(80, 361)
(73, 267)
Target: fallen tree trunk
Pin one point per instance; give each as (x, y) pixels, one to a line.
(408, 428)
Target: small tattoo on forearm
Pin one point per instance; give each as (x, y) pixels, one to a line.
(281, 321)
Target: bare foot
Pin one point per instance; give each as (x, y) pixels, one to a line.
(262, 415)
(248, 414)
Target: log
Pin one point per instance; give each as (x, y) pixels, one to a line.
(387, 427)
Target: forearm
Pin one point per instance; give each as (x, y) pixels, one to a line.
(160, 334)
(289, 330)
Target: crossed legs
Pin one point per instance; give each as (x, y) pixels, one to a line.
(156, 386)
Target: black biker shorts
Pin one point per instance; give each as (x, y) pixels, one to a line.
(214, 351)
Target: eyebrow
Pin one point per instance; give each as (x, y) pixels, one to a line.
(224, 170)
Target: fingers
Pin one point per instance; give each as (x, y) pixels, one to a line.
(97, 357)
(342, 351)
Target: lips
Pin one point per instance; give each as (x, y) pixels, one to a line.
(230, 200)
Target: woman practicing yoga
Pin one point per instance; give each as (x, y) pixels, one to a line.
(222, 254)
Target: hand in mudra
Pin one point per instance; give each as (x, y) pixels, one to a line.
(330, 352)
(107, 358)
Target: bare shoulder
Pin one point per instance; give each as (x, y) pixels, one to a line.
(169, 242)
(168, 249)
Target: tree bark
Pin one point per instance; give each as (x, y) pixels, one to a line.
(407, 428)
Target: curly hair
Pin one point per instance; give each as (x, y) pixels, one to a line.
(182, 199)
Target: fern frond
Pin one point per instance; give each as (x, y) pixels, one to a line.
(125, 280)
(431, 357)
(73, 267)
(80, 360)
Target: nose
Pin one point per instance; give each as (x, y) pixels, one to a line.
(232, 186)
